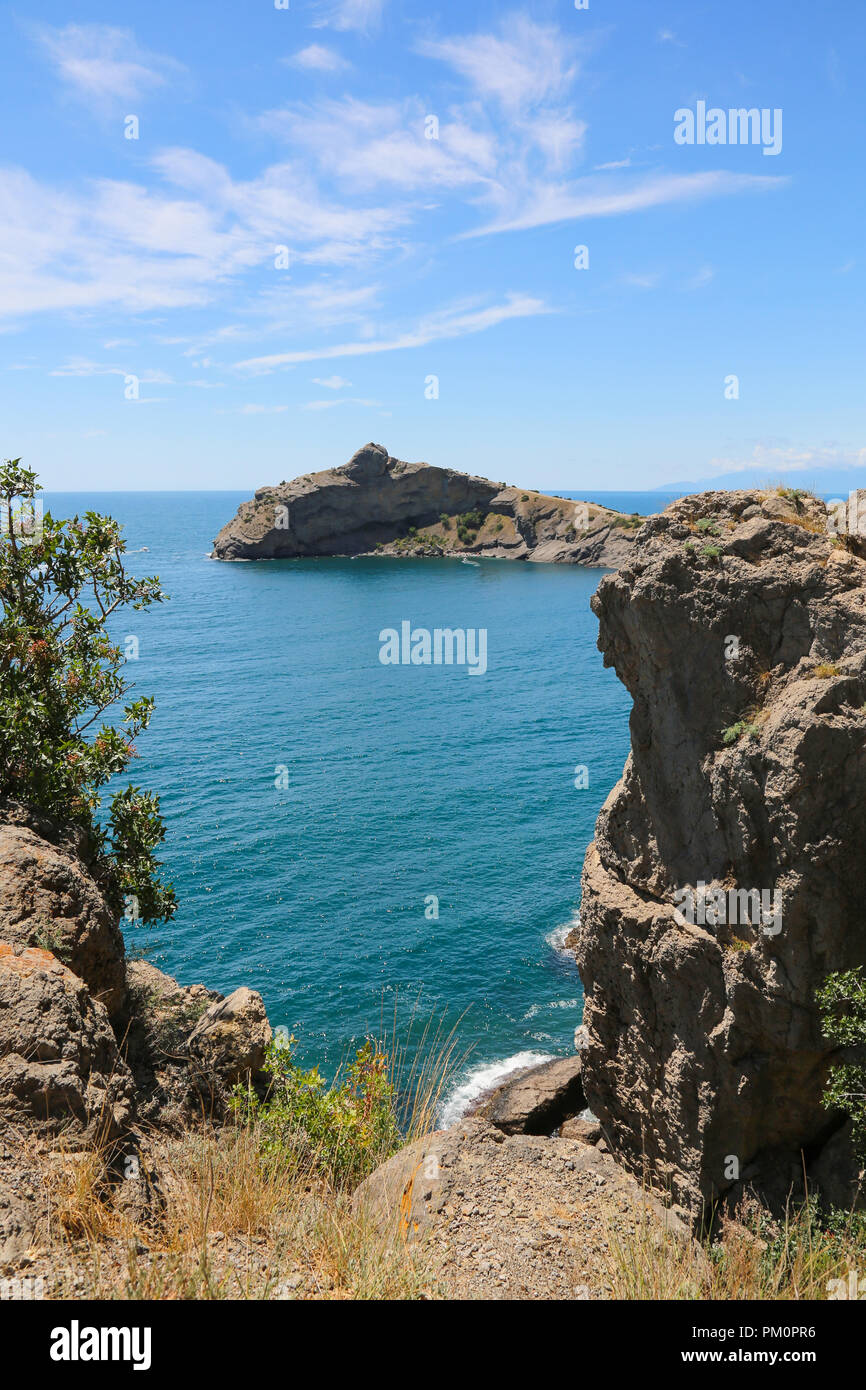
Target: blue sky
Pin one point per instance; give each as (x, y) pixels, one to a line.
(158, 258)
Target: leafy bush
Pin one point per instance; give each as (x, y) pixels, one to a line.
(343, 1131)
(842, 1002)
(706, 526)
(741, 729)
(793, 494)
(60, 673)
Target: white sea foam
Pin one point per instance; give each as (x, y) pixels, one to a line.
(535, 1009)
(484, 1078)
(556, 938)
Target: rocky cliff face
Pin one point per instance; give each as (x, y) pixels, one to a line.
(96, 1051)
(376, 503)
(739, 627)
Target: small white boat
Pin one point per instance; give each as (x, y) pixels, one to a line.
(476, 564)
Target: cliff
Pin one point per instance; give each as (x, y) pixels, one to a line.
(99, 1055)
(376, 504)
(738, 625)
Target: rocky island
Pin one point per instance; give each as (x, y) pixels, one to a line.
(379, 505)
(697, 1090)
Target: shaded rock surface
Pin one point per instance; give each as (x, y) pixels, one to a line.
(72, 1074)
(60, 1068)
(739, 628)
(536, 1100)
(370, 503)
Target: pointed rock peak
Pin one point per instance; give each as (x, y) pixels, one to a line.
(371, 461)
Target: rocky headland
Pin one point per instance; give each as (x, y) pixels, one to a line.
(737, 621)
(379, 505)
(738, 626)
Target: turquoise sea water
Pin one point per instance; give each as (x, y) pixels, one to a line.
(399, 782)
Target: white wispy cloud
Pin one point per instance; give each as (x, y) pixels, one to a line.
(449, 323)
(104, 64)
(362, 144)
(701, 277)
(317, 58)
(544, 204)
(774, 458)
(342, 400)
(83, 366)
(253, 409)
(646, 281)
(333, 383)
(128, 246)
(364, 15)
(524, 64)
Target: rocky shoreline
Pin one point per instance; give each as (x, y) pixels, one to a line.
(379, 505)
(738, 624)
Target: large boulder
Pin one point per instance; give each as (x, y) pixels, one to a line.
(157, 1021)
(739, 628)
(231, 1037)
(537, 1100)
(49, 899)
(60, 1071)
(508, 1216)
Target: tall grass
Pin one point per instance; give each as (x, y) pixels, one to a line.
(262, 1207)
(751, 1257)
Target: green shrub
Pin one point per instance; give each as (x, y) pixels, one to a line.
(742, 729)
(793, 494)
(343, 1131)
(60, 673)
(706, 526)
(842, 1002)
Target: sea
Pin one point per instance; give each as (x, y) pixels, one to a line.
(381, 850)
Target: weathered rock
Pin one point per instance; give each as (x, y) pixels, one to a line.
(536, 1101)
(705, 1043)
(232, 1036)
(585, 1130)
(370, 503)
(49, 899)
(59, 1066)
(508, 1216)
(156, 1025)
(18, 1226)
